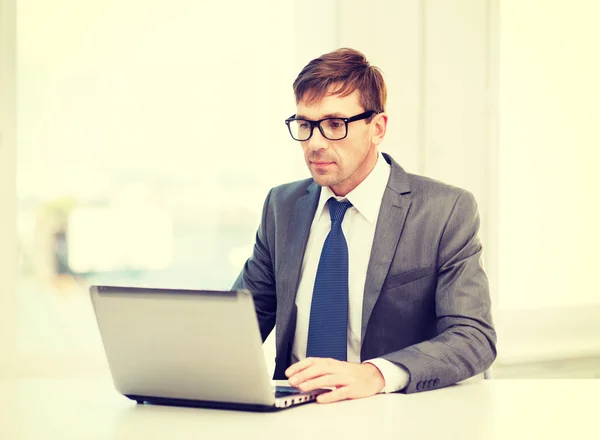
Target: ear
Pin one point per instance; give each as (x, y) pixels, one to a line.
(378, 127)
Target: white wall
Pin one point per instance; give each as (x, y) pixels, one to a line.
(549, 148)
(138, 82)
(548, 151)
(8, 251)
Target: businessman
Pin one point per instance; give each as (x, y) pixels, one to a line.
(370, 275)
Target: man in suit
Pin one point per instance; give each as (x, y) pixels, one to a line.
(371, 276)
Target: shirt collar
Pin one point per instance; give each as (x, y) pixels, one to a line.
(366, 197)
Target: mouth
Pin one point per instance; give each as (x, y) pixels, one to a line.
(321, 167)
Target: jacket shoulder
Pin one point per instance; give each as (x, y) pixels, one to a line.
(291, 190)
(428, 189)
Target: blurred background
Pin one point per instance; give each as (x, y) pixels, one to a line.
(143, 137)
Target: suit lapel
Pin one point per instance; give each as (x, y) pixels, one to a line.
(293, 246)
(392, 215)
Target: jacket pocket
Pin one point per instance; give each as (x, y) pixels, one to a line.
(408, 277)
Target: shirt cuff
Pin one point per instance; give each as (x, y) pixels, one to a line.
(396, 377)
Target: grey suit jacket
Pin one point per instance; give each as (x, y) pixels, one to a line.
(426, 303)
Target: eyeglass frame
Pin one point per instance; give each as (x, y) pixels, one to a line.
(313, 124)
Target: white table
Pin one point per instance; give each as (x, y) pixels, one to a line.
(496, 409)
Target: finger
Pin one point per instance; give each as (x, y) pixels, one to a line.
(324, 381)
(298, 366)
(309, 373)
(318, 368)
(336, 395)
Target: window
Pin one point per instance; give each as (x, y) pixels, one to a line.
(141, 160)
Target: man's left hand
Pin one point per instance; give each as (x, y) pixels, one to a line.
(350, 381)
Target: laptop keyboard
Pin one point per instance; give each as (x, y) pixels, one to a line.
(281, 391)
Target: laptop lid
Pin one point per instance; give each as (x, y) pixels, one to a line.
(185, 345)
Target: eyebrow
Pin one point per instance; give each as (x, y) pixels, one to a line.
(328, 115)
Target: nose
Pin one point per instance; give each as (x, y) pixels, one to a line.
(317, 141)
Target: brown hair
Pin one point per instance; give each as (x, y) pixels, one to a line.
(349, 70)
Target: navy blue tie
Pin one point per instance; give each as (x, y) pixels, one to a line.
(328, 327)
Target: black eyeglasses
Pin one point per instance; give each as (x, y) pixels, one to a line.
(334, 129)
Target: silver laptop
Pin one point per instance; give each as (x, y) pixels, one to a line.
(188, 347)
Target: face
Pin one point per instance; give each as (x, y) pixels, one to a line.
(343, 164)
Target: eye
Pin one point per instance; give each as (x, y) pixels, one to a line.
(335, 124)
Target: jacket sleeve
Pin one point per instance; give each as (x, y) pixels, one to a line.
(466, 341)
(258, 277)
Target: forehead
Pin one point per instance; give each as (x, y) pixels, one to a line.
(330, 105)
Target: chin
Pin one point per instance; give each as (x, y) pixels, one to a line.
(324, 182)
(320, 179)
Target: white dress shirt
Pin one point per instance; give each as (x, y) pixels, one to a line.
(359, 230)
